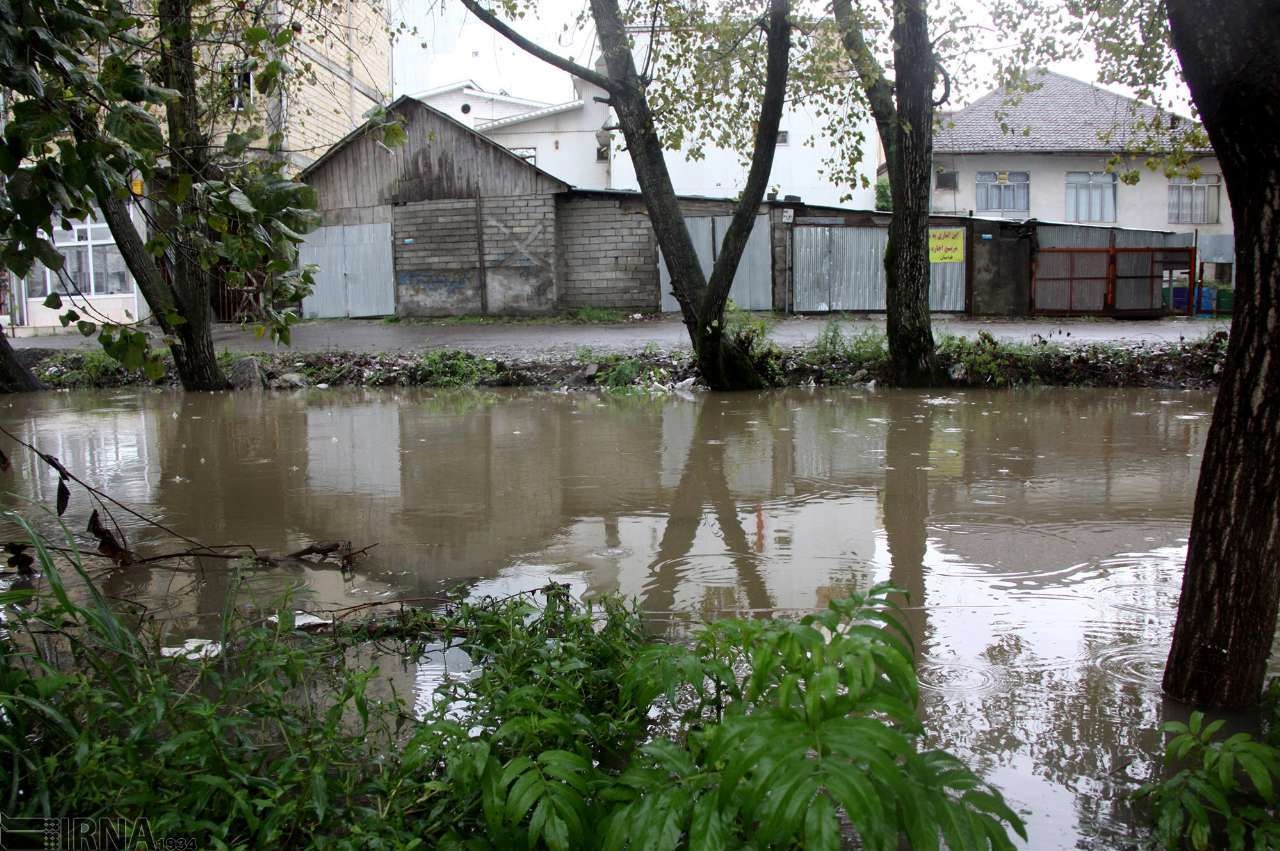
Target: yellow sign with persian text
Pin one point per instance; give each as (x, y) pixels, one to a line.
(946, 245)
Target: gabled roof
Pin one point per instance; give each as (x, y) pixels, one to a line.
(1061, 115)
(546, 111)
(401, 102)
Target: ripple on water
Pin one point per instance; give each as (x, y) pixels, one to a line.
(1132, 664)
(954, 678)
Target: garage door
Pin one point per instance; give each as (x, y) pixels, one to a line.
(355, 271)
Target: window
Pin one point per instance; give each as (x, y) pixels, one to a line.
(93, 265)
(1195, 202)
(1091, 196)
(239, 86)
(783, 137)
(1004, 191)
(948, 180)
(529, 155)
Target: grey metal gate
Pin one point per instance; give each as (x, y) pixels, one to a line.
(752, 283)
(355, 276)
(839, 268)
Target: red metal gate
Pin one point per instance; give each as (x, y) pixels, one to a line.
(1127, 282)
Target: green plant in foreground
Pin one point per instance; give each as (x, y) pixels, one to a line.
(576, 729)
(1224, 796)
(774, 729)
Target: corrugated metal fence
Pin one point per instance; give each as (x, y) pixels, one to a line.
(752, 282)
(1105, 271)
(837, 267)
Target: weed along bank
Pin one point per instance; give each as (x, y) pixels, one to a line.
(452, 223)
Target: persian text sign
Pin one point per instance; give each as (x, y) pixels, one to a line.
(946, 245)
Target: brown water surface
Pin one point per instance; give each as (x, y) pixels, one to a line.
(1040, 533)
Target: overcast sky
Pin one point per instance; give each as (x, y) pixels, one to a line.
(450, 45)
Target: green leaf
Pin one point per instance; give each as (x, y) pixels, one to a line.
(256, 35)
(241, 202)
(86, 328)
(821, 828)
(134, 126)
(708, 831)
(53, 301)
(1257, 773)
(319, 792)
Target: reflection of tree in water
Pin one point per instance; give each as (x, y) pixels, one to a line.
(703, 481)
(906, 504)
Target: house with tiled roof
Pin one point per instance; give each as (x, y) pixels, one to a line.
(1044, 153)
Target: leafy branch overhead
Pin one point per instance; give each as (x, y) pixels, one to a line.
(138, 116)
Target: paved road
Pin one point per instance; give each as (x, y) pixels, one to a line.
(532, 340)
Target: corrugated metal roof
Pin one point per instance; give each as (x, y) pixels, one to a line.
(1061, 115)
(554, 109)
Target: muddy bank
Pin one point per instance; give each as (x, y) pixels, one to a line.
(832, 361)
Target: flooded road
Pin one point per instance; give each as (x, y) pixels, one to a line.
(1039, 534)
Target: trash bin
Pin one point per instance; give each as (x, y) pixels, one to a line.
(1226, 301)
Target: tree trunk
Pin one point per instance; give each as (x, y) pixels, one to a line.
(14, 377)
(190, 284)
(723, 364)
(1231, 588)
(906, 259)
(903, 112)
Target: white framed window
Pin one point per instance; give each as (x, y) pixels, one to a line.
(1003, 192)
(529, 155)
(92, 264)
(1195, 202)
(1091, 196)
(784, 138)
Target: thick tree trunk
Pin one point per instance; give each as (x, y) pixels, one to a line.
(1231, 587)
(196, 359)
(14, 377)
(903, 112)
(723, 364)
(906, 260)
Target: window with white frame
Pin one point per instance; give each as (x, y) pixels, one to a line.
(92, 264)
(1195, 202)
(1091, 196)
(1003, 192)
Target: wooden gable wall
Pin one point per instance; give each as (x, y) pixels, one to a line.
(440, 159)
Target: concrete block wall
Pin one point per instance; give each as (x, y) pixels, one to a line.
(608, 254)
(520, 253)
(438, 259)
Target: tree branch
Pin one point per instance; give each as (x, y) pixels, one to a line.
(503, 29)
(766, 144)
(875, 85)
(946, 83)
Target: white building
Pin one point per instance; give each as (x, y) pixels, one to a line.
(567, 139)
(1045, 157)
(573, 141)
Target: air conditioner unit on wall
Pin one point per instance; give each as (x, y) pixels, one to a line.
(948, 180)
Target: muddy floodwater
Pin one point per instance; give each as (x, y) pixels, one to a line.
(1039, 533)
